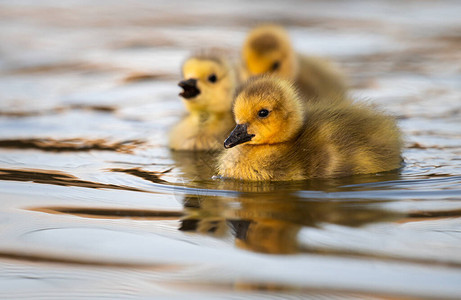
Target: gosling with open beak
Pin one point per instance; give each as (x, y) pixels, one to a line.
(190, 89)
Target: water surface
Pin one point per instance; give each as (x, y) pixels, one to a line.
(94, 204)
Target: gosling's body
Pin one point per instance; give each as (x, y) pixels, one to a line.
(267, 49)
(201, 131)
(320, 141)
(332, 143)
(319, 80)
(209, 83)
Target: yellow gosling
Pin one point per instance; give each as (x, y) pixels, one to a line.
(208, 84)
(267, 49)
(279, 138)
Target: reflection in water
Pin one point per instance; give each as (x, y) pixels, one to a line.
(83, 261)
(70, 145)
(266, 236)
(272, 290)
(97, 108)
(142, 76)
(107, 213)
(427, 215)
(151, 176)
(57, 178)
(58, 110)
(267, 216)
(263, 223)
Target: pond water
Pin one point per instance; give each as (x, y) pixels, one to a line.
(93, 204)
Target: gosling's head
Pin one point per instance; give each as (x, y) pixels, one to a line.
(208, 82)
(267, 49)
(267, 111)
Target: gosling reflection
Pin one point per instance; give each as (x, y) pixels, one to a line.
(267, 223)
(266, 217)
(202, 216)
(266, 236)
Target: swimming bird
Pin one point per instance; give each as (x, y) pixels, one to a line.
(209, 82)
(267, 49)
(280, 138)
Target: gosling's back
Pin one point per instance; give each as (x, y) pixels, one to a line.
(319, 80)
(345, 140)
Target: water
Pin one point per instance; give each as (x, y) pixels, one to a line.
(95, 205)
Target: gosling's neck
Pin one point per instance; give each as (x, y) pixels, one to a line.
(206, 116)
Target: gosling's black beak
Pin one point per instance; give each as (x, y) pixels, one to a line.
(238, 136)
(190, 89)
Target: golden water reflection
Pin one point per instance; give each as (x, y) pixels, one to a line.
(263, 223)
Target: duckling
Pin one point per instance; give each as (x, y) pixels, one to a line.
(209, 81)
(280, 138)
(267, 49)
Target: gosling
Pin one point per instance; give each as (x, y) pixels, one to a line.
(209, 82)
(280, 138)
(267, 49)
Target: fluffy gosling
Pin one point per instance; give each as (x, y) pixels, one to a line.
(267, 49)
(280, 138)
(208, 84)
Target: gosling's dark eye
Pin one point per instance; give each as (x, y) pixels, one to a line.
(212, 78)
(275, 66)
(263, 113)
